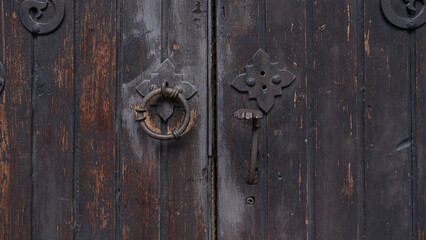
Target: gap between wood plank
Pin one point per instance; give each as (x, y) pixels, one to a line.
(118, 121)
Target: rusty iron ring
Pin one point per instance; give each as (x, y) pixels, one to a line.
(172, 93)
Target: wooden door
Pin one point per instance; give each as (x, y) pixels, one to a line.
(342, 149)
(334, 91)
(75, 163)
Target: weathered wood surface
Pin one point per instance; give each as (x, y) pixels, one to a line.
(238, 39)
(74, 163)
(342, 151)
(286, 124)
(421, 131)
(139, 161)
(53, 132)
(389, 207)
(15, 126)
(361, 167)
(280, 197)
(334, 92)
(165, 185)
(96, 74)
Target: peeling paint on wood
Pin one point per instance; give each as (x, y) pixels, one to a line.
(15, 130)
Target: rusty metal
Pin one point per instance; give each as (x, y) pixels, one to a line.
(172, 93)
(263, 80)
(405, 14)
(166, 72)
(255, 116)
(31, 13)
(2, 77)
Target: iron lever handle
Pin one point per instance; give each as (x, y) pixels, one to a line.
(170, 93)
(255, 116)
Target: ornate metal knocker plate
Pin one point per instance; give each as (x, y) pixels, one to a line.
(263, 80)
(162, 90)
(410, 15)
(31, 13)
(166, 92)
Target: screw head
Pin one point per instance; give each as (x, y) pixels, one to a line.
(36, 28)
(250, 201)
(412, 25)
(250, 82)
(276, 79)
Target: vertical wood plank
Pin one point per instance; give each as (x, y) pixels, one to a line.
(96, 74)
(53, 126)
(287, 123)
(388, 162)
(15, 125)
(140, 53)
(238, 37)
(421, 133)
(335, 69)
(187, 158)
(280, 198)
(175, 205)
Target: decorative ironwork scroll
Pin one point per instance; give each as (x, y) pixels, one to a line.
(405, 14)
(42, 17)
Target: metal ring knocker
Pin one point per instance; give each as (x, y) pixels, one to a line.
(166, 92)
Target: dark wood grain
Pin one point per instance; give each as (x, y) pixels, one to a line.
(15, 126)
(287, 123)
(53, 131)
(388, 164)
(286, 170)
(187, 159)
(421, 133)
(165, 184)
(96, 74)
(238, 37)
(341, 152)
(335, 68)
(139, 155)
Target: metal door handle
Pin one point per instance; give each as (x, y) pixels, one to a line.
(168, 93)
(255, 117)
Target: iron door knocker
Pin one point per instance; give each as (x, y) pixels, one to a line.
(170, 86)
(166, 92)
